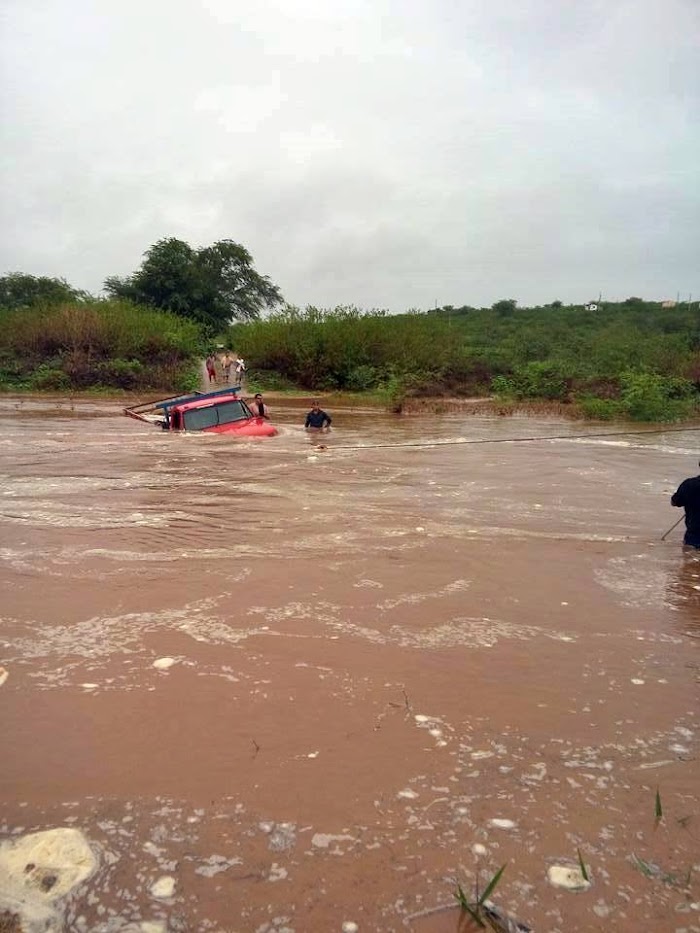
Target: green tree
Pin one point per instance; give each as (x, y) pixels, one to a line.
(213, 285)
(505, 306)
(18, 290)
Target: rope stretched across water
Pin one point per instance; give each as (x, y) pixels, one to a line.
(511, 440)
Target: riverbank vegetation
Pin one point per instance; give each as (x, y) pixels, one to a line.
(97, 345)
(632, 359)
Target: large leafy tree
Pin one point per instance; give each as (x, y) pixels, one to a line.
(213, 285)
(18, 290)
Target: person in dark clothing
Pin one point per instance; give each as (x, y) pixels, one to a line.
(317, 418)
(687, 496)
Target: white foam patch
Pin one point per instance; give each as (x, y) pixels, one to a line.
(40, 868)
(414, 598)
(215, 864)
(101, 637)
(163, 888)
(43, 513)
(500, 823)
(324, 840)
(638, 581)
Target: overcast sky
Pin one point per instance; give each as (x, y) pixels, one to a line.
(385, 153)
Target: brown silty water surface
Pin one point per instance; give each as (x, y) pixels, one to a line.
(382, 657)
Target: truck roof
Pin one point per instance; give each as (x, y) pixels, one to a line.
(205, 402)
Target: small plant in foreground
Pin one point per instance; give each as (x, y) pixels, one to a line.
(476, 908)
(658, 809)
(582, 866)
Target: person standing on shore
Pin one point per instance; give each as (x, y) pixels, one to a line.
(687, 496)
(240, 370)
(226, 363)
(317, 419)
(211, 367)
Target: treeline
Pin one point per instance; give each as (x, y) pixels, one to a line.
(631, 359)
(148, 333)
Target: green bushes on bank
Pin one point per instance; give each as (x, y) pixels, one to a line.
(632, 360)
(105, 344)
(629, 360)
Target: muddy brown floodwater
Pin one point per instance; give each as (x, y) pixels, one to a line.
(284, 687)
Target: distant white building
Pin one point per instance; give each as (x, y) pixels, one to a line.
(668, 303)
(591, 306)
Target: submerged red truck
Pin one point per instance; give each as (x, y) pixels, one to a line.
(220, 412)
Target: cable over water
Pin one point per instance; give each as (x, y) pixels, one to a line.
(514, 440)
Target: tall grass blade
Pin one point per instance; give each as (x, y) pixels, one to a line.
(658, 809)
(461, 897)
(491, 885)
(582, 866)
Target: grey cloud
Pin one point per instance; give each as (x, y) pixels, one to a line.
(384, 153)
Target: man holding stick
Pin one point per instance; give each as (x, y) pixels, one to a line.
(687, 496)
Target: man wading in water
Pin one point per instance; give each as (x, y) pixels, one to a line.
(317, 419)
(687, 496)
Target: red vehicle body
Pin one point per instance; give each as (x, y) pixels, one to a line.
(220, 412)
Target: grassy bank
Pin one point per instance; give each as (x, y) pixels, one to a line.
(104, 345)
(632, 360)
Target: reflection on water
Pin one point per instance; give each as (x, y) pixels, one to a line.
(289, 684)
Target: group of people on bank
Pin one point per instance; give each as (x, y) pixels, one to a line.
(316, 419)
(224, 364)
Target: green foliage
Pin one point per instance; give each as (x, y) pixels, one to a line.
(506, 306)
(361, 378)
(109, 344)
(651, 397)
(50, 379)
(600, 409)
(211, 285)
(503, 386)
(565, 354)
(18, 290)
(631, 360)
(475, 908)
(533, 380)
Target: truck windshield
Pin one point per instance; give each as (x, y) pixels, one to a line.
(200, 418)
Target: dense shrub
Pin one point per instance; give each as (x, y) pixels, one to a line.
(560, 353)
(103, 343)
(650, 397)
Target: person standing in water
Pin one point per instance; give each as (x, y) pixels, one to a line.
(317, 419)
(687, 496)
(259, 407)
(226, 363)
